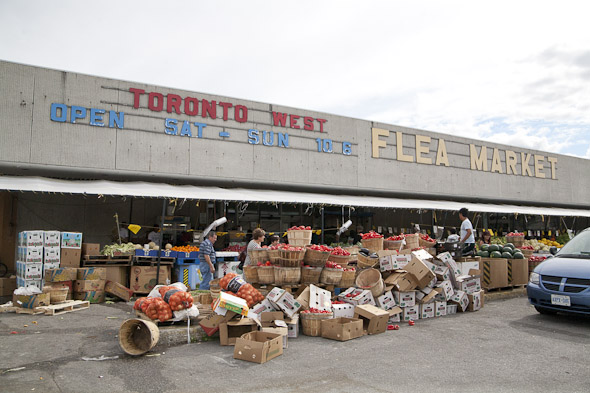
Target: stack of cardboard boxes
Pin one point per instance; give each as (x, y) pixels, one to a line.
(61, 277)
(89, 284)
(36, 251)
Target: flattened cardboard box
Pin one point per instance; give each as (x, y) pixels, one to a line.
(342, 329)
(230, 331)
(374, 318)
(258, 347)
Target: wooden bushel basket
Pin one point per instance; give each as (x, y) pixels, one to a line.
(373, 245)
(311, 274)
(342, 260)
(300, 237)
(311, 323)
(412, 241)
(291, 258)
(392, 244)
(273, 256)
(287, 275)
(347, 279)
(331, 276)
(251, 274)
(316, 258)
(258, 255)
(266, 274)
(364, 262)
(371, 279)
(137, 336)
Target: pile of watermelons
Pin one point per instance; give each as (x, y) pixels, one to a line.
(507, 251)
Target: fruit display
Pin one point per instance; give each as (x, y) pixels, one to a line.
(542, 245)
(320, 248)
(507, 251)
(299, 228)
(333, 265)
(396, 238)
(339, 251)
(118, 249)
(371, 235)
(427, 238)
(185, 248)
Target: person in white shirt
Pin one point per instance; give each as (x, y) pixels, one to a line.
(155, 235)
(467, 237)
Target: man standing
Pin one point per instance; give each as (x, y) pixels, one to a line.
(207, 259)
(466, 231)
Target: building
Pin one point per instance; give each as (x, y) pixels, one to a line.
(76, 149)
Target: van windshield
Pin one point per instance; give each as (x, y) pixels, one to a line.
(579, 245)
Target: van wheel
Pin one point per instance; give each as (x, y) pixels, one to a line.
(545, 311)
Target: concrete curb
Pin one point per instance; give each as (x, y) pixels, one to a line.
(505, 294)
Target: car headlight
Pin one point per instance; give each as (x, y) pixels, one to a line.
(535, 278)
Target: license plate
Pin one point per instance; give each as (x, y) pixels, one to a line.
(561, 300)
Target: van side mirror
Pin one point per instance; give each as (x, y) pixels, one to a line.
(553, 250)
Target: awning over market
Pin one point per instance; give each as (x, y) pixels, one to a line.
(162, 190)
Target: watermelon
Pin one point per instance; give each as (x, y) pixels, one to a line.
(484, 247)
(508, 250)
(484, 254)
(518, 255)
(495, 254)
(509, 245)
(507, 255)
(493, 247)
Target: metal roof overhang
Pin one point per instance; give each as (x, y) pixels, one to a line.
(163, 190)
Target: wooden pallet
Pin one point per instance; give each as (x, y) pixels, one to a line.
(139, 260)
(66, 307)
(106, 260)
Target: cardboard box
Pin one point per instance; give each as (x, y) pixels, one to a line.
(386, 301)
(258, 347)
(32, 254)
(21, 282)
(451, 309)
(429, 297)
(374, 319)
(118, 274)
(342, 329)
(518, 271)
(386, 259)
(293, 326)
(466, 267)
(345, 310)
(64, 284)
(402, 280)
(405, 299)
(284, 301)
(232, 303)
(264, 306)
(470, 284)
(71, 240)
(475, 301)
(494, 272)
(442, 273)
(29, 270)
(91, 296)
(92, 273)
(448, 260)
(440, 309)
(51, 239)
(118, 290)
(70, 257)
(51, 254)
(427, 310)
(357, 297)
(445, 288)
(460, 298)
(142, 279)
(212, 323)
(89, 285)
(90, 249)
(273, 322)
(31, 238)
(61, 274)
(320, 298)
(418, 268)
(7, 286)
(395, 314)
(31, 301)
(411, 313)
(230, 331)
(50, 265)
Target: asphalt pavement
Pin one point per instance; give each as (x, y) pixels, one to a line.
(505, 347)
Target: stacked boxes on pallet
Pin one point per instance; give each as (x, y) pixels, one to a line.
(90, 283)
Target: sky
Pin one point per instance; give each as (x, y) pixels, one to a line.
(511, 72)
